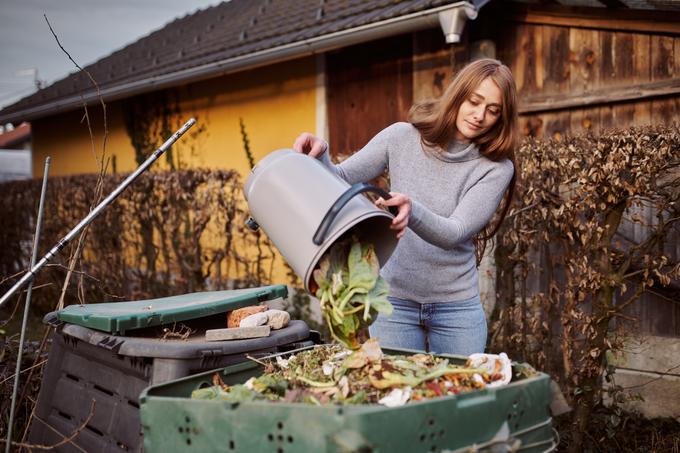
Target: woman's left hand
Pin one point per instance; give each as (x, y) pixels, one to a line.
(403, 204)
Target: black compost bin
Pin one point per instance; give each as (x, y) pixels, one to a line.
(108, 353)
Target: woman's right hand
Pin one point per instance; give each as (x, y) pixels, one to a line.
(404, 205)
(310, 144)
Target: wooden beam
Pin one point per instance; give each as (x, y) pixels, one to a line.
(604, 96)
(618, 19)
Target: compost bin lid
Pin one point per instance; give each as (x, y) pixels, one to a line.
(117, 317)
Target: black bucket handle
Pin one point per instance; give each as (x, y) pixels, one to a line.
(340, 203)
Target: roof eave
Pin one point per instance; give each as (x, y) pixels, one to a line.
(404, 24)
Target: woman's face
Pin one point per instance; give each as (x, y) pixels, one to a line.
(479, 112)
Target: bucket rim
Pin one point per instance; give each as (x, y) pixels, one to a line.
(331, 239)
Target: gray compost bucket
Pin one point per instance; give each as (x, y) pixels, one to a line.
(304, 208)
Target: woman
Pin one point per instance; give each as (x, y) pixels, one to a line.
(449, 166)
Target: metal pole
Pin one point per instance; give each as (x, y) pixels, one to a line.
(34, 258)
(96, 211)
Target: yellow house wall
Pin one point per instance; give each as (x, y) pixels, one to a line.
(276, 103)
(66, 139)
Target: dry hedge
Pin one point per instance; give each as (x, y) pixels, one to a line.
(169, 233)
(595, 226)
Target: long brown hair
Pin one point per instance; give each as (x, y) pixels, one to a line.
(436, 122)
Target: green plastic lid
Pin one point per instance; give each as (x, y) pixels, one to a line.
(117, 317)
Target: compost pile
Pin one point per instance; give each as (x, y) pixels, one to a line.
(352, 293)
(330, 374)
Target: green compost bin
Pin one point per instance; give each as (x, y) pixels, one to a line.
(118, 317)
(515, 417)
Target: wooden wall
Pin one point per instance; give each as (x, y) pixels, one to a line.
(583, 72)
(369, 87)
(576, 69)
(574, 72)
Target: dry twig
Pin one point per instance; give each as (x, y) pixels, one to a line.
(100, 180)
(61, 442)
(183, 333)
(22, 371)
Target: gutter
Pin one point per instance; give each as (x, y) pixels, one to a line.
(404, 24)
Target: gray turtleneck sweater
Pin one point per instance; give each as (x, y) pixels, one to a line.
(454, 195)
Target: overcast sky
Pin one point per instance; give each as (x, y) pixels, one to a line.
(88, 30)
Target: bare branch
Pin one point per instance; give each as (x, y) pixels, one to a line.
(96, 85)
(633, 274)
(18, 274)
(661, 376)
(61, 442)
(22, 371)
(526, 208)
(100, 163)
(658, 294)
(638, 292)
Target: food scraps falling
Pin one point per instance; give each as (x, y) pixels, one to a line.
(351, 291)
(332, 374)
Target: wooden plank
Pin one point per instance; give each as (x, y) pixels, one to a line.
(663, 64)
(633, 66)
(431, 65)
(585, 120)
(616, 67)
(560, 101)
(609, 61)
(370, 86)
(539, 63)
(607, 118)
(517, 59)
(665, 111)
(556, 125)
(528, 71)
(642, 63)
(556, 55)
(460, 55)
(585, 55)
(625, 58)
(627, 114)
(531, 126)
(237, 333)
(617, 116)
(641, 58)
(642, 113)
(676, 52)
(600, 21)
(663, 68)
(506, 49)
(630, 114)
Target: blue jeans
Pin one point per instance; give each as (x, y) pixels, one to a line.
(447, 328)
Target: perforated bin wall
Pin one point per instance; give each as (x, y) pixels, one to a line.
(515, 417)
(86, 365)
